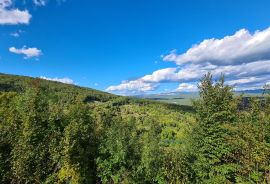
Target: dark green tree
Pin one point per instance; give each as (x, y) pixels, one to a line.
(216, 111)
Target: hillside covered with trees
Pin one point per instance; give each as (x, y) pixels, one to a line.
(57, 133)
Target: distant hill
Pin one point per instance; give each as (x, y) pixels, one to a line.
(254, 91)
(187, 97)
(173, 97)
(22, 83)
(68, 92)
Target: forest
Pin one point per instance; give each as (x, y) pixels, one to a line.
(57, 133)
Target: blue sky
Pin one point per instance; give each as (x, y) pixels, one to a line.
(137, 46)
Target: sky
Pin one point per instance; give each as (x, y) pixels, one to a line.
(131, 47)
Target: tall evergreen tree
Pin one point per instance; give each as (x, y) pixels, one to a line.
(215, 112)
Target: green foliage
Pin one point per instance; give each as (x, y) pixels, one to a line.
(78, 147)
(118, 152)
(215, 112)
(57, 133)
(252, 144)
(9, 123)
(30, 156)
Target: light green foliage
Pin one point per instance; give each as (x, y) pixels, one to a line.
(9, 123)
(56, 133)
(30, 156)
(78, 147)
(252, 144)
(147, 144)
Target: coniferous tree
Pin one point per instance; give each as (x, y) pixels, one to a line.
(215, 112)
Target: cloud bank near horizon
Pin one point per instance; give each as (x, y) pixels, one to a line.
(244, 59)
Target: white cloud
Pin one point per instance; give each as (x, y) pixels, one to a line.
(65, 80)
(194, 72)
(166, 74)
(242, 74)
(246, 80)
(133, 86)
(242, 47)
(12, 16)
(186, 87)
(145, 83)
(243, 58)
(27, 52)
(40, 2)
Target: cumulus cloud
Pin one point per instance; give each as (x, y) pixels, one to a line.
(12, 16)
(248, 83)
(147, 82)
(133, 86)
(194, 72)
(248, 80)
(238, 75)
(65, 80)
(27, 52)
(186, 87)
(242, 47)
(166, 74)
(243, 58)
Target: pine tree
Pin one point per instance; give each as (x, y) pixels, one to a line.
(215, 111)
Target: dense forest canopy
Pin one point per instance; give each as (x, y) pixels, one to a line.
(57, 133)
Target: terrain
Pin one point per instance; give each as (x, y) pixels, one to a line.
(57, 133)
(186, 98)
